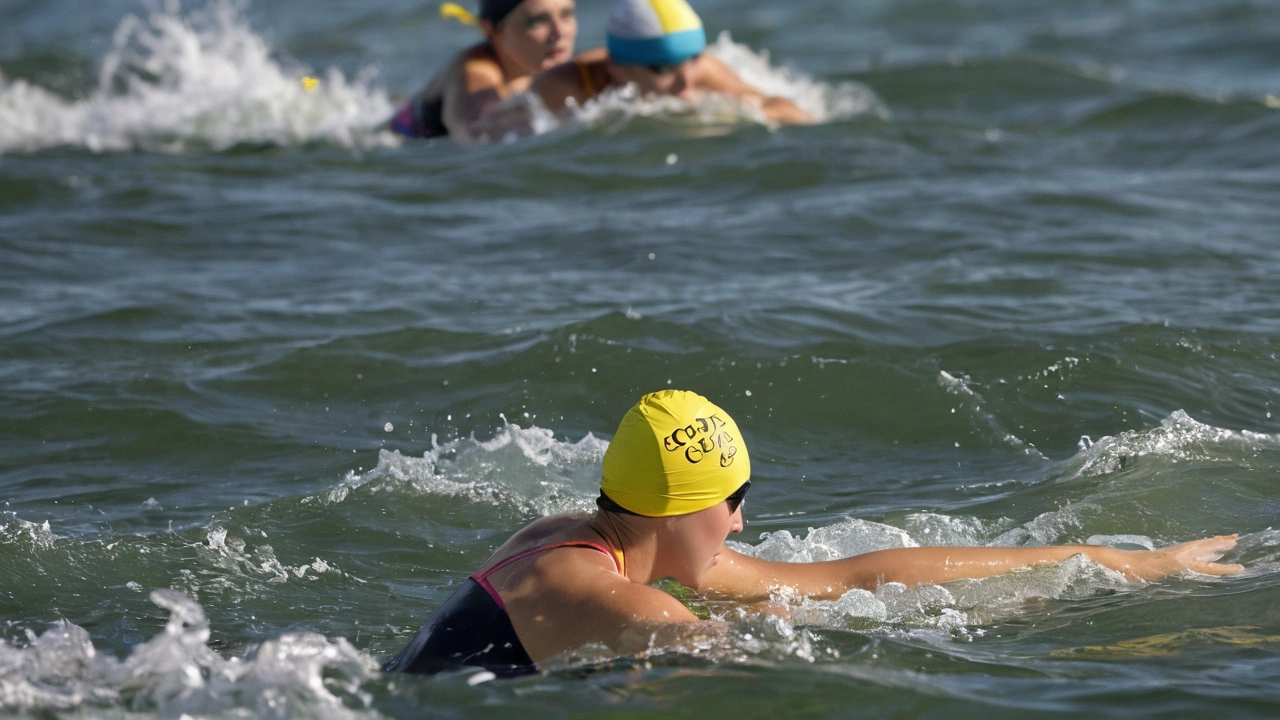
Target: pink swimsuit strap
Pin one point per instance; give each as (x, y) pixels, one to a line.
(483, 577)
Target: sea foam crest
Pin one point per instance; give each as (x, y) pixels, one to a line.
(1180, 438)
(523, 468)
(823, 100)
(200, 81)
(176, 673)
(16, 530)
(845, 538)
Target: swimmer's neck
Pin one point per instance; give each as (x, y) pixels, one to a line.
(635, 538)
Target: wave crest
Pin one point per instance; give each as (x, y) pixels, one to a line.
(205, 80)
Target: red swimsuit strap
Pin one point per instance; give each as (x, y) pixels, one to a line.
(483, 577)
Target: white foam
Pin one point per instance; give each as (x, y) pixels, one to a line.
(525, 469)
(824, 101)
(714, 113)
(238, 561)
(936, 529)
(204, 80)
(1180, 438)
(175, 673)
(37, 536)
(843, 539)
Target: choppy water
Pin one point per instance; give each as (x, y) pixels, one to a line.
(272, 382)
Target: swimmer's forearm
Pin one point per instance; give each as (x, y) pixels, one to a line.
(785, 112)
(744, 578)
(931, 565)
(934, 565)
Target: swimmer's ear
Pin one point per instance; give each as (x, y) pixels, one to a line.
(454, 11)
(489, 29)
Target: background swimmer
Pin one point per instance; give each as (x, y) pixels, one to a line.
(657, 46)
(522, 37)
(673, 483)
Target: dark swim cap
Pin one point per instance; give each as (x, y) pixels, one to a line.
(495, 11)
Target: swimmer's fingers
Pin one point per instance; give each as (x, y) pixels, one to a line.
(513, 115)
(1201, 555)
(1218, 568)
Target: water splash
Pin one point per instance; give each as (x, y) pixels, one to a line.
(525, 469)
(974, 405)
(176, 673)
(200, 81)
(1180, 438)
(824, 101)
(711, 113)
(15, 530)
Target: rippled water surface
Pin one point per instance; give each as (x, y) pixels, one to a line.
(273, 382)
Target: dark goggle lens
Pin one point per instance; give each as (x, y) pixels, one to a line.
(735, 500)
(668, 68)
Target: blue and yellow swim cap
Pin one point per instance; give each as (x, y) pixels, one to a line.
(674, 453)
(654, 32)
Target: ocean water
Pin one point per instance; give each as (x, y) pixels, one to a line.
(273, 382)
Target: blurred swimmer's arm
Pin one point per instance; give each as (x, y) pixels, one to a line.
(515, 115)
(476, 88)
(745, 578)
(555, 86)
(583, 604)
(715, 76)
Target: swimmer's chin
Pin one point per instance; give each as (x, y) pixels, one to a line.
(556, 57)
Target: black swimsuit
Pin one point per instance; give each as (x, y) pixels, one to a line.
(421, 117)
(473, 628)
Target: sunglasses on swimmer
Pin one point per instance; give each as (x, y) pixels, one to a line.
(735, 500)
(668, 68)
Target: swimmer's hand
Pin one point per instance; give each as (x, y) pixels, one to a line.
(785, 112)
(516, 116)
(1198, 556)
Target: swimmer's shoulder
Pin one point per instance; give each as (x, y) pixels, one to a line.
(477, 69)
(580, 79)
(539, 533)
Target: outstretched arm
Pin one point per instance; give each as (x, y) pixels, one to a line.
(740, 577)
(717, 77)
(478, 88)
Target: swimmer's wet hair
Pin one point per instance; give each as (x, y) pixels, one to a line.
(495, 11)
(608, 505)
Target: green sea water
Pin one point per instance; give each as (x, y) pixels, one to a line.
(273, 383)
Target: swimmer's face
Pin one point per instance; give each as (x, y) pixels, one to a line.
(680, 80)
(702, 535)
(538, 34)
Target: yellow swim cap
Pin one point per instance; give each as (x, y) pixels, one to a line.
(674, 453)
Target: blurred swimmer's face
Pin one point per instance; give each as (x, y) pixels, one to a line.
(679, 80)
(537, 35)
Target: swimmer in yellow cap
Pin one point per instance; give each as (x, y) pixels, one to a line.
(522, 37)
(672, 489)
